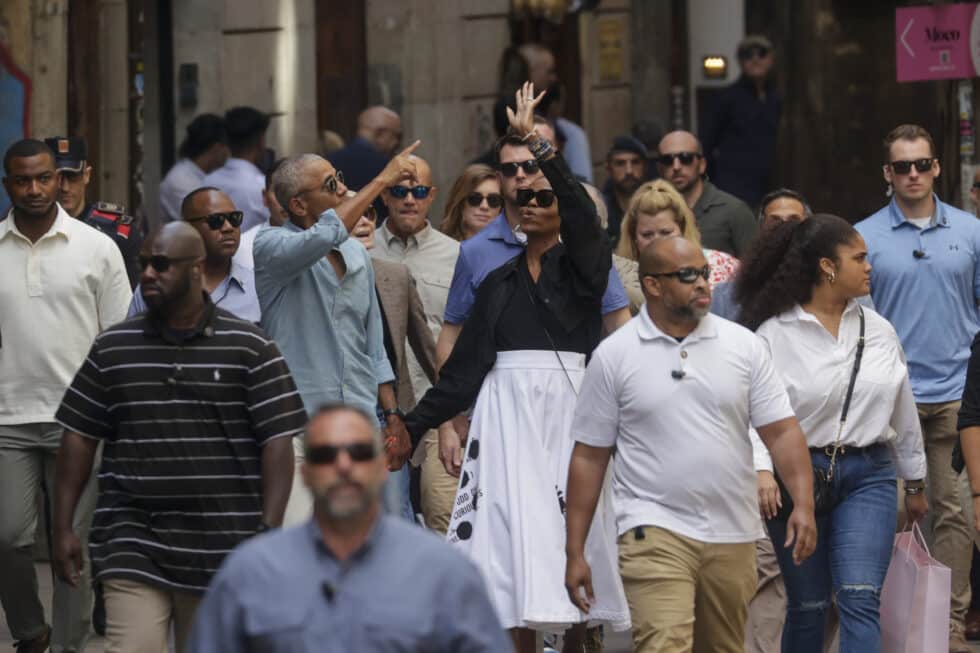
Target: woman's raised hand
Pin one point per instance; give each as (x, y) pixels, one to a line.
(522, 120)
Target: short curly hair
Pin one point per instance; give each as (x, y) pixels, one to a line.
(782, 267)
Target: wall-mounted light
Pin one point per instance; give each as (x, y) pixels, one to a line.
(714, 66)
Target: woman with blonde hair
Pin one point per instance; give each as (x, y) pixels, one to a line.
(474, 201)
(657, 211)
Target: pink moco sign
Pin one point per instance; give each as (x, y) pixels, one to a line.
(937, 42)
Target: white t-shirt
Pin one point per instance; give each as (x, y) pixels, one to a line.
(684, 460)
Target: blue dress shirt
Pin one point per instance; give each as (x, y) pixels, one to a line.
(328, 330)
(235, 294)
(487, 251)
(930, 298)
(404, 590)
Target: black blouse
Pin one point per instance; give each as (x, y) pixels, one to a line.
(573, 278)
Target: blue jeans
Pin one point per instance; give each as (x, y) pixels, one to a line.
(397, 498)
(854, 547)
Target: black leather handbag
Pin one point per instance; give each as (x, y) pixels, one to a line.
(823, 496)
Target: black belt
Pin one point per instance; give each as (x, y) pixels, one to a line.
(845, 450)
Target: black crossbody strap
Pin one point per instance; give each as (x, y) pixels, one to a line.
(857, 366)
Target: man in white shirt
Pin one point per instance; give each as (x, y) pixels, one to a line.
(407, 237)
(675, 391)
(61, 283)
(204, 150)
(240, 176)
(277, 218)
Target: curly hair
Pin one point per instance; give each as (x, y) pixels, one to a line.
(651, 198)
(782, 267)
(473, 176)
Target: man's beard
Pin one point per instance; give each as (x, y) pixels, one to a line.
(29, 212)
(161, 303)
(688, 312)
(327, 505)
(629, 185)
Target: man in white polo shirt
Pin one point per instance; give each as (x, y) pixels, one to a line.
(61, 283)
(675, 391)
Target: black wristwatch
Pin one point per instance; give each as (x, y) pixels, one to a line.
(393, 411)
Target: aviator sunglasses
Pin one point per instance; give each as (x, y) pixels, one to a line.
(685, 275)
(418, 192)
(543, 197)
(359, 452)
(905, 167)
(216, 220)
(494, 200)
(510, 169)
(686, 158)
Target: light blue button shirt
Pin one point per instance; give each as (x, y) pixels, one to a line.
(235, 294)
(328, 330)
(926, 283)
(243, 183)
(404, 590)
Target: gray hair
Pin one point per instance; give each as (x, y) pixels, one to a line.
(287, 180)
(336, 407)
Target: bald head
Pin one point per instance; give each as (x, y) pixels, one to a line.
(679, 141)
(668, 254)
(171, 281)
(382, 127)
(682, 163)
(408, 214)
(423, 171)
(176, 240)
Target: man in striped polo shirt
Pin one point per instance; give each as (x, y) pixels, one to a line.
(197, 411)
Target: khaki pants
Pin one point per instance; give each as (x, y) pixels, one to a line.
(951, 541)
(438, 486)
(138, 617)
(27, 459)
(299, 507)
(686, 595)
(767, 610)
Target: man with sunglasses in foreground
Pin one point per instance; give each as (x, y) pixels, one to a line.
(350, 579)
(230, 284)
(316, 289)
(925, 279)
(197, 412)
(686, 510)
(726, 223)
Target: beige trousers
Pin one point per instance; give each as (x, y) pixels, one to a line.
(438, 486)
(138, 617)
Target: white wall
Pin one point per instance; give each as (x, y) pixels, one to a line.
(714, 27)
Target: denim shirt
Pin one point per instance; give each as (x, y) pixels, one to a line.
(404, 590)
(235, 294)
(328, 330)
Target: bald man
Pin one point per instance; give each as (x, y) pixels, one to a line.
(231, 285)
(407, 237)
(674, 392)
(197, 411)
(726, 222)
(379, 133)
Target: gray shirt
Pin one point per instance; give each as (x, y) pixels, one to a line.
(725, 222)
(404, 590)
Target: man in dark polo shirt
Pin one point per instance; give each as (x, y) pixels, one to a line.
(726, 222)
(197, 411)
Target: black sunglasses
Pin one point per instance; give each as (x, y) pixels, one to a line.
(162, 263)
(329, 185)
(418, 192)
(543, 197)
(494, 200)
(217, 220)
(905, 167)
(326, 454)
(685, 275)
(510, 169)
(686, 158)
(752, 51)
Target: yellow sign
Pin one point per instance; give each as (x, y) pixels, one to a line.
(611, 50)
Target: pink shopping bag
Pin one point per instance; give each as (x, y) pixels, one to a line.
(914, 599)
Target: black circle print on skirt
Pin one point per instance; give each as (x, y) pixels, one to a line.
(476, 495)
(474, 451)
(465, 480)
(464, 531)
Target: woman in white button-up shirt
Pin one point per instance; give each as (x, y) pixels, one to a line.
(797, 289)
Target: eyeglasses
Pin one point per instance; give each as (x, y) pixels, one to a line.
(685, 275)
(162, 263)
(752, 51)
(543, 197)
(905, 167)
(494, 200)
(329, 185)
(418, 192)
(530, 167)
(326, 454)
(686, 158)
(217, 220)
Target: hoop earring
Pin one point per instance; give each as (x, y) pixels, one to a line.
(889, 191)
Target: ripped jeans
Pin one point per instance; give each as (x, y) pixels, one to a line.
(854, 547)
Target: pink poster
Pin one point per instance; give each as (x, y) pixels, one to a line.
(937, 42)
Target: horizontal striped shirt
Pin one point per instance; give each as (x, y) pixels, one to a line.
(183, 417)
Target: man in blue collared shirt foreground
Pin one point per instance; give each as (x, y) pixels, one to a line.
(925, 279)
(230, 284)
(316, 291)
(351, 579)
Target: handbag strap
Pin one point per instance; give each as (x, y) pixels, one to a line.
(850, 391)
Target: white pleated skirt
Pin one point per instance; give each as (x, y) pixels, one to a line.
(509, 512)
